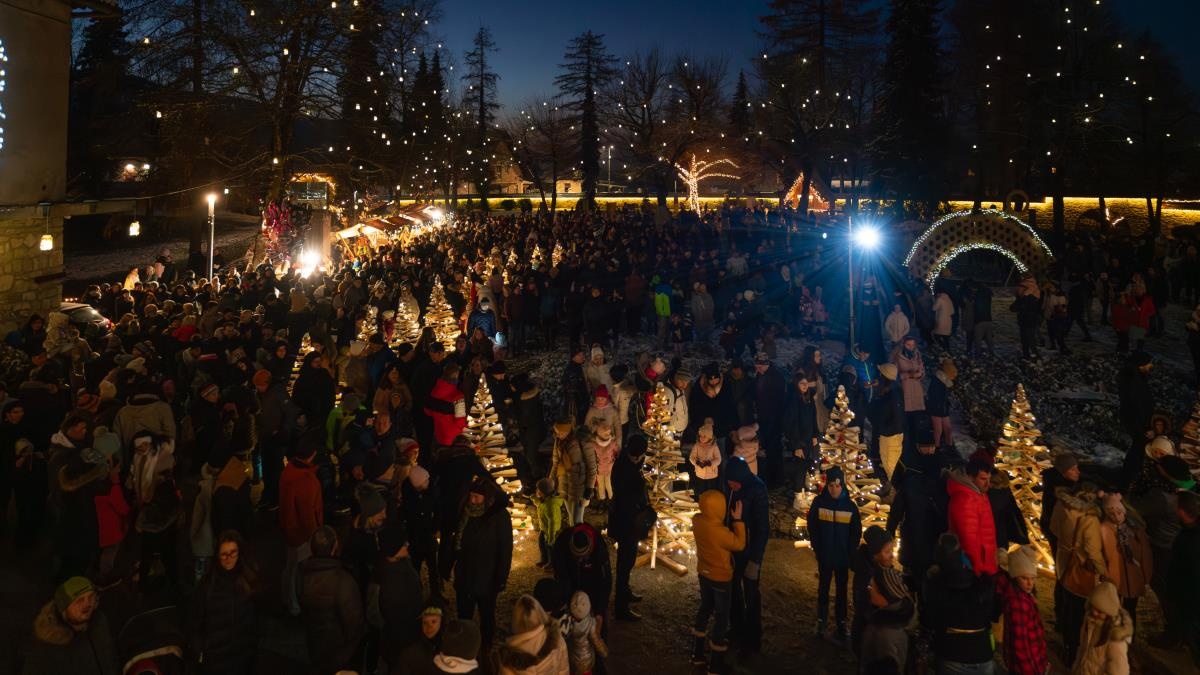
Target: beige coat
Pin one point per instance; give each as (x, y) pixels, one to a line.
(1076, 523)
(1104, 646)
(910, 372)
(1129, 570)
(541, 651)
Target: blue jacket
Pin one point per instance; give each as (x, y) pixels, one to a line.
(755, 509)
(834, 528)
(481, 319)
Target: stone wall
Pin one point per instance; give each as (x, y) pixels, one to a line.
(21, 263)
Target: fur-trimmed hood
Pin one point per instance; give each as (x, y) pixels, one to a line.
(532, 651)
(50, 628)
(1078, 501)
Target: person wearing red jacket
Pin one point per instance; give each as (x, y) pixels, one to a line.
(447, 406)
(301, 512)
(971, 514)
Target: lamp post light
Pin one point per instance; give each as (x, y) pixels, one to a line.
(866, 238)
(212, 221)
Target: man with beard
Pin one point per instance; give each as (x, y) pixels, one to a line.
(72, 635)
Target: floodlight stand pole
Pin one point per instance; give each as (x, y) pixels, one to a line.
(212, 235)
(850, 267)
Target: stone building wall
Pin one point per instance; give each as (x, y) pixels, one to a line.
(21, 264)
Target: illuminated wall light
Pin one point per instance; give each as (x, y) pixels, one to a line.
(46, 243)
(135, 228)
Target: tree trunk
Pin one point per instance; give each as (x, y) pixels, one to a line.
(805, 187)
(1103, 214)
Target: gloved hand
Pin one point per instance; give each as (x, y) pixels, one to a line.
(752, 571)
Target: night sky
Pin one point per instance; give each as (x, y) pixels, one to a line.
(533, 34)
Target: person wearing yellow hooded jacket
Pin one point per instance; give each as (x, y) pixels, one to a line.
(715, 545)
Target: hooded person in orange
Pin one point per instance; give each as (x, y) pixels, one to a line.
(715, 545)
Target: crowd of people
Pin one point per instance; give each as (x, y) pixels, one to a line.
(223, 416)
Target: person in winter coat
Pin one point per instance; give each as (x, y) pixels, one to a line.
(746, 599)
(919, 510)
(1127, 555)
(314, 389)
(1105, 635)
(715, 544)
(602, 413)
(1028, 308)
(746, 446)
(330, 605)
(834, 528)
(301, 511)
(536, 647)
(399, 593)
(970, 514)
(531, 421)
(419, 501)
(878, 549)
(145, 412)
(483, 318)
(1183, 613)
(603, 444)
(459, 649)
(1135, 410)
(1063, 473)
(447, 406)
(711, 398)
(417, 656)
(574, 387)
(1007, 516)
(956, 609)
(937, 402)
(549, 518)
(72, 635)
(581, 563)
(705, 459)
(1024, 648)
(573, 468)
(897, 325)
(769, 397)
(82, 476)
(625, 525)
(943, 312)
(113, 513)
(223, 628)
(597, 372)
(231, 506)
(482, 554)
(800, 430)
(1076, 523)
(887, 418)
(582, 632)
(910, 372)
(885, 638)
(200, 532)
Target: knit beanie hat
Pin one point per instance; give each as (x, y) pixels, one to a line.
(581, 606)
(370, 502)
(582, 544)
(419, 477)
(1105, 599)
(1065, 461)
(460, 647)
(888, 370)
(876, 538)
(602, 392)
(706, 429)
(107, 390)
(262, 378)
(834, 475)
(528, 614)
(1021, 564)
(106, 442)
(70, 591)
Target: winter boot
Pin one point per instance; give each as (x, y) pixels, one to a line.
(698, 640)
(820, 630)
(716, 660)
(842, 635)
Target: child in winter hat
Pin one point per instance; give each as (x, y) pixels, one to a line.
(1024, 648)
(706, 458)
(549, 507)
(583, 636)
(747, 445)
(460, 648)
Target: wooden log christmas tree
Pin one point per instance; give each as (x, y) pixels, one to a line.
(1189, 443)
(408, 324)
(369, 324)
(842, 447)
(487, 436)
(670, 494)
(1023, 458)
(439, 315)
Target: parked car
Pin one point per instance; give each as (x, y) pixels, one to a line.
(91, 324)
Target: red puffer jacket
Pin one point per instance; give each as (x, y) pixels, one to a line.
(971, 521)
(447, 408)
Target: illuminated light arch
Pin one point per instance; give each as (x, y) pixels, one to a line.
(816, 200)
(956, 233)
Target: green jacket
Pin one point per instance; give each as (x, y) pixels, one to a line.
(549, 516)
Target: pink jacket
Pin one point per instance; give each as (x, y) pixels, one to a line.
(606, 455)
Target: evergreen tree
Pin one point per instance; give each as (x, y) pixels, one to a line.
(739, 107)
(910, 142)
(100, 102)
(588, 66)
(364, 90)
(480, 100)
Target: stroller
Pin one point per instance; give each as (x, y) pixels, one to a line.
(151, 643)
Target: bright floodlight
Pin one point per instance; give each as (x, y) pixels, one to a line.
(435, 213)
(309, 260)
(212, 198)
(867, 237)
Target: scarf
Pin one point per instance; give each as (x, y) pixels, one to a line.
(454, 664)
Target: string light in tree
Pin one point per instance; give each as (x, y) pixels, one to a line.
(440, 316)
(698, 170)
(3, 86)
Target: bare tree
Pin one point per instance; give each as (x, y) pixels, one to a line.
(543, 143)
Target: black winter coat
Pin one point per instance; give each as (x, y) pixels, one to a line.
(531, 419)
(400, 603)
(332, 609)
(887, 412)
(592, 575)
(223, 623)
(313, 393)
(420, 517)
(483, 556)
(800, 424)
(755, 509)
(956, 609)
(919, 509)
(1010, 522)
(58, 649)
(629, 498)
(722, 408)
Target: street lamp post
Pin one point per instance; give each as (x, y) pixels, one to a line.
(867, 238)
(212, 230)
